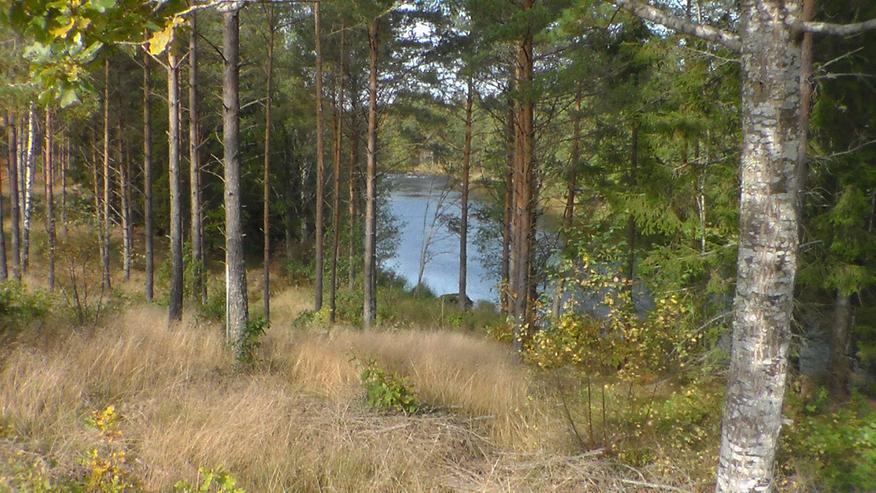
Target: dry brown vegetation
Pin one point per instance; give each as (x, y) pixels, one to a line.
(297, 422)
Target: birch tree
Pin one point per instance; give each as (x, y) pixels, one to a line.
(768, 42)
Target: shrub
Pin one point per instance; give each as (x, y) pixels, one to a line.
(18, 307)
(210, 481)
(385, 390)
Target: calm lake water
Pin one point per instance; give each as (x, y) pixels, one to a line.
(414, 200)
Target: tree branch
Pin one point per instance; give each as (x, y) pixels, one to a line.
(835, 29)
(702, 31)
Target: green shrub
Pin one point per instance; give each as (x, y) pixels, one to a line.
(385, 390)
(17, 306)
(837, 447)
(245, 348)
(210, 481)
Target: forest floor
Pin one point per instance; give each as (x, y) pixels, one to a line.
(126, 397)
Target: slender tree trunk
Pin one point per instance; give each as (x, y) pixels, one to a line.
(523, 183)
(336, 178)
(29, 171)
(106, 281)
(463, 208)
(235, 268)
(125, 207)
(768, 242)
(507, 211)
(197, 222)
(148, 235)
(4, 273)
(12, 177)
(352, 177)
(369, 274)
(266, 193)
(805, 107)
(96, 187)
(320, 165)
(49, 172)
(840, 362)
(175, 302)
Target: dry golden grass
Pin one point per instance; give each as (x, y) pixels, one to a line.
(297, 422)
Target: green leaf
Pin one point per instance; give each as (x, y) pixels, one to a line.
(102, 5)
(68, 97)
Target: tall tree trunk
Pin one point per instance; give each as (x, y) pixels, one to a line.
(4, 273)
(13, 165)
(235, 268)
(320, 165)
(197, 222)
(805, 107)
(336, 178)
(49, 172)
(463, 207)
(175, 302)
(29, 171)
(96, 187)
(125, 207)
(106, 282)
(266, 192)
(840, 362)
(148, 235)
(507, 210)
(767, 247)
(523, 182)
(369, 274)
(571, 191)
(352, 177)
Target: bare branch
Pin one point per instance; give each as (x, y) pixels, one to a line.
(835, 29)
(702, 31)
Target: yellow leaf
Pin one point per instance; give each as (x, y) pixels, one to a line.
(161, 39)
(61, 31)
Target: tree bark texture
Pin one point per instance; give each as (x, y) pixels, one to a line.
(175, 303)
(148, 238)
(29, 171)
(369, 269)
(125, 208)
(266, 178)
(840, 336)
(197, 222)
(507, 214)
(106, 280)
(48, 173)
(336, 179)
(523, 192)
(320, 167)
(767, 258)
(235, 269)
(463, 207)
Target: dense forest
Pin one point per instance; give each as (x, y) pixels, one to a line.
(446, 245)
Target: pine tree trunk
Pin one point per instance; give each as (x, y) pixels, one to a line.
(805, 107)
(4, 273)
(148, 233)
(175, 302)
(369, 274)
(523, 193)
(336, 178)
(125, 207)
(352, 178)
(266, 192)
(106, 281)
(49, 172)
(197, 222)
(320, 167)
(29, 171)
(235, 269)
(767, 247)
(12, 177)
(463, 208)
